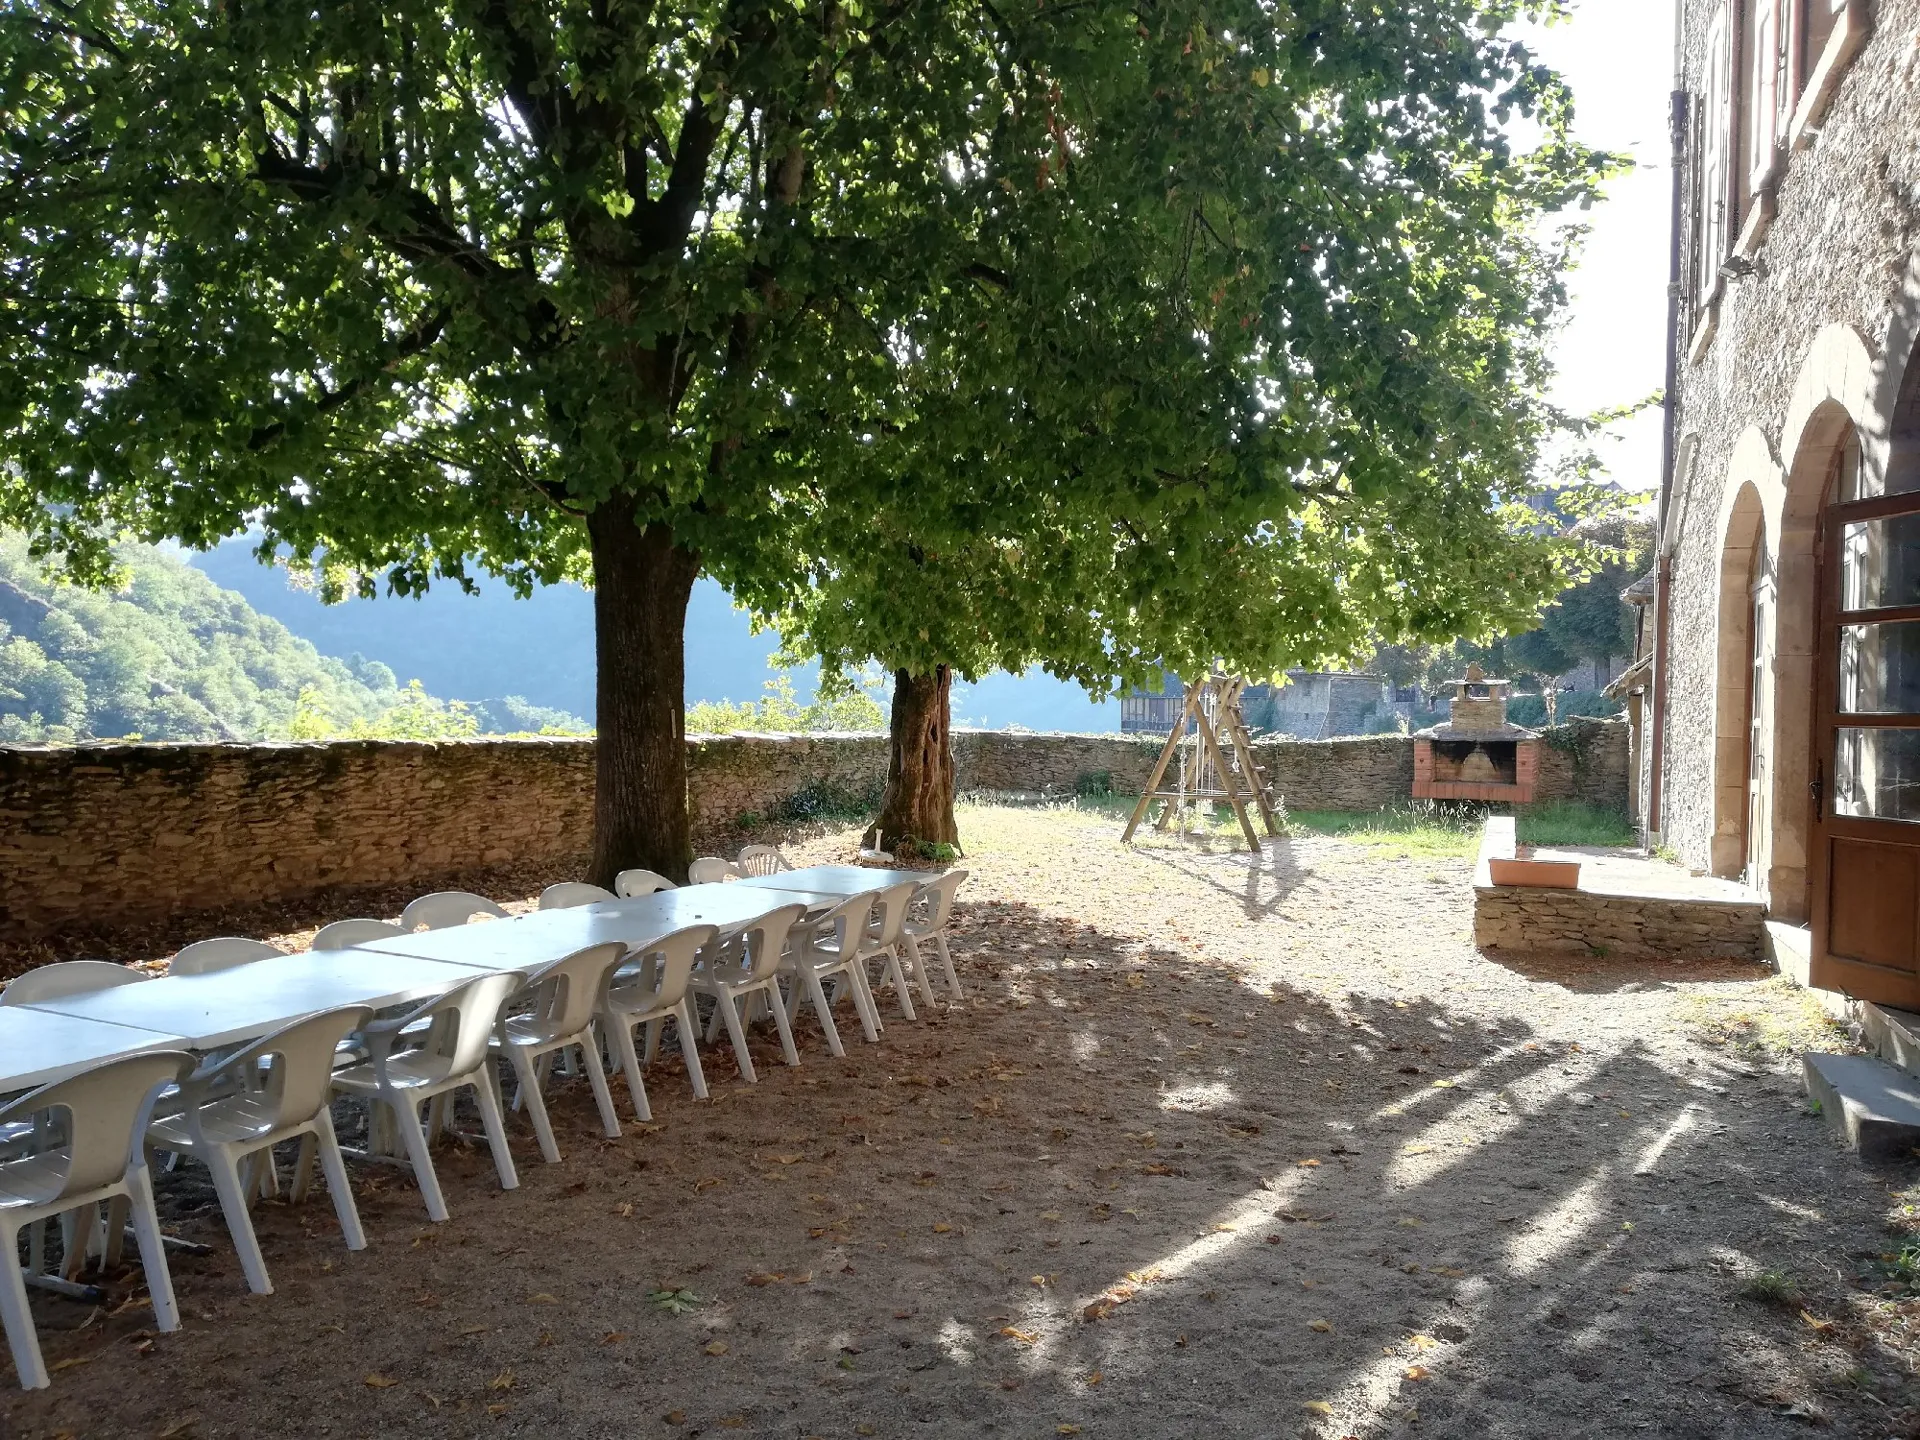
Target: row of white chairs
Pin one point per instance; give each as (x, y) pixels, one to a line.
(229, 1110)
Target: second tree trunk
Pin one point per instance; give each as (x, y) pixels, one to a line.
(918, 804)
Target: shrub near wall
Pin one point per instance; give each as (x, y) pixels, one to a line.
(113, 833)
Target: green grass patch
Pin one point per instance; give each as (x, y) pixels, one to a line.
(1570, 822)
(1401, 833)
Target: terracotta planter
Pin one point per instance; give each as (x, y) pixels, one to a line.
(1536, 874)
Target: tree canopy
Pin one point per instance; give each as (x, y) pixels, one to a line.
(1106, 291)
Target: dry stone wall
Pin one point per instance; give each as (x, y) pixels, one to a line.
(1515, 920)
(130, 833)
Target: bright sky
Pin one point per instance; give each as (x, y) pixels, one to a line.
(1618, 57)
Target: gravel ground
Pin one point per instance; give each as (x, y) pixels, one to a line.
(1217, 1144)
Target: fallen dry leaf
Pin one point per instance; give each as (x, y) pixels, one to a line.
(379, 1382)
(675, 1417)
(942, 1228)
(1418, 1372)
(1094, 1379)
(69, 1363)
(543, 1298)
(1318, 1407)
(1423, 1342)
(1025, 1337)
(503, 1381)
(1321, 1325)
(715, 1347)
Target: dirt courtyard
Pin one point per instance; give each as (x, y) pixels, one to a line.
(1217, 1145)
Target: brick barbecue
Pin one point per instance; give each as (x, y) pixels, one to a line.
(1477, 754)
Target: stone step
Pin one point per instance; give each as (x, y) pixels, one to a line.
(1894, 1034)
(1874, 1106)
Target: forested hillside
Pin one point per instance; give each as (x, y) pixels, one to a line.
(172, 656)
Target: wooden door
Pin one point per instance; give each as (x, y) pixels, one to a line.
(1866, 760)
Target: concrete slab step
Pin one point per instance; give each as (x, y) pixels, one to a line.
(1874, 1106)
(1894, 1034)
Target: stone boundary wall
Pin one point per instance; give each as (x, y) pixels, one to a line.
(109, 834)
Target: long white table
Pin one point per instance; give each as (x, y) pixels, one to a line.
(228, 1007)
(837, 880)
(526, 942)
(39, 1046)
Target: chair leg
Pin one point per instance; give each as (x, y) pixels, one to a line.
(233, 1192)
(438, 1109)
(302, 1180)
(863, 1000)
(597, 1078)
(153, 1251)
(328, 1145)
(817, 993)
(630, 1065)
(782, 1023)
(919, 965)
(74, 1243)
(898, 981)
(114, 1241)
(653, 1040)
(713, 1020)
(528, 1091)
(496, 1127)
(406, 1121)
(37, 1247)
(686, 1030)
(946, 959)
(18, 1317)
(730, 1012)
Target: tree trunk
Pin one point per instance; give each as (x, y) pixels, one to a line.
(918, 804)
(642, 580)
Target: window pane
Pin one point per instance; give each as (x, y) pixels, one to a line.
(1880, 669)
(1876, 774)
(1880, 563)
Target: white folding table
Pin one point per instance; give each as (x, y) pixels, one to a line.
(526, 942)
(229, 1007)
(837, 880)
(38, 1046)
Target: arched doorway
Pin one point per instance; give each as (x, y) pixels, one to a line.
(1865, 764)
(1740, 689)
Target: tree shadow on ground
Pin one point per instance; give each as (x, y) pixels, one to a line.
(1116, 1189)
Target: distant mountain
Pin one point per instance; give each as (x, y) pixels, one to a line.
(482, 647)
(170, 656)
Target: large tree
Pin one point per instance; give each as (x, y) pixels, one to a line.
(613, 289)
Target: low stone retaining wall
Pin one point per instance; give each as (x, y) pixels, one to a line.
(1522, 920)
(121, 833)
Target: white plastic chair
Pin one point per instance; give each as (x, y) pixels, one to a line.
(453, 1054)
(744, 963)
(344, 934)
(710, 870)
(828, 948)
(927, 920)
(447, 907)
(566, 995)
(760, 860)
(93, 1154)
(221, 1126)
(569, 893)
(882, 940)
(630, 884)
(204, 957)
(651, 988)
(68, 977)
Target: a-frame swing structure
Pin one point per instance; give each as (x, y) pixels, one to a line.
(1206, 770)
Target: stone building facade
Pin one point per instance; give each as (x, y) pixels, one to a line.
(1780, 711)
